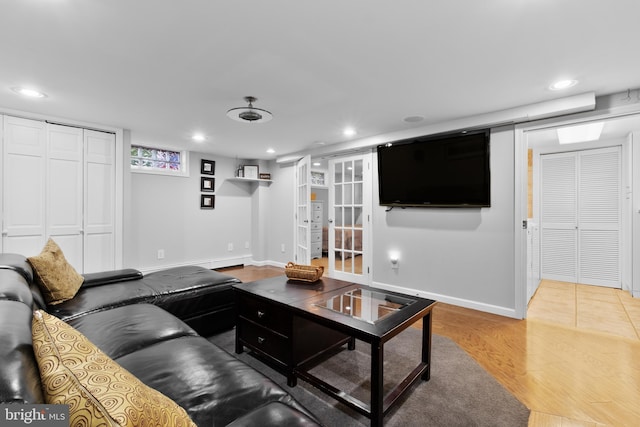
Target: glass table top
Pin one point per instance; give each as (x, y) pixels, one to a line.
(364, 304)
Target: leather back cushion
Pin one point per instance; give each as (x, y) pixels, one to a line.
(97, 389)
(57, 279)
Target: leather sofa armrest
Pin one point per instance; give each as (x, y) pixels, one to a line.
(107, 277)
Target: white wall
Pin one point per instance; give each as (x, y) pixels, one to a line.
(461, 256)
(165, 214)
(280, 214)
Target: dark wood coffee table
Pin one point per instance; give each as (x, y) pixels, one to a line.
(292, 325)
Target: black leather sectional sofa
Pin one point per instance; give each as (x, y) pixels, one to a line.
(143, 324)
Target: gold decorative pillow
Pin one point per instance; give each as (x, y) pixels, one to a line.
(57, 279)
(98, 390)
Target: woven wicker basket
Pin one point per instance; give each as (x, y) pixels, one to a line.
(303, 273)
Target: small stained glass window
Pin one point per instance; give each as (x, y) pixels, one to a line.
(155, 160)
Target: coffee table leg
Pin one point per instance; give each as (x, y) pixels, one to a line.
(351, 345)
(377, 359)
(426, 345)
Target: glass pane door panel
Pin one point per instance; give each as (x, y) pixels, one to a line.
(348, 172)
(348, 194)
(357, 170)
(338, 195)
(357, 193)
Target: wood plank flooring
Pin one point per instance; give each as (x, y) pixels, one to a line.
(574, 362)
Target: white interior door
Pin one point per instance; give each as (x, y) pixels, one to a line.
(581, 217)
(558, 217)
(599, 217)
(23, 192)
(99, 201)
(350, 218)
(64, 191)
(303, 211)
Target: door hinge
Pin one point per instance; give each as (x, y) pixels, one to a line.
(524, 224)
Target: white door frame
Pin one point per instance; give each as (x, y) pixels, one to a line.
(520, 202)
(302, 212)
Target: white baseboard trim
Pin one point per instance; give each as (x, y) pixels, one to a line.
(475, 305)
(210, 264)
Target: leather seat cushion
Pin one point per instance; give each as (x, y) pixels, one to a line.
(124, 330)
(214, 387)
(274, 414)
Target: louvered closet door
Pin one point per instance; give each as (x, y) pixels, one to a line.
(580, 212)
(558, 232)
(599, 217)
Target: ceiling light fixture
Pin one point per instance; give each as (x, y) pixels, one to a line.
(249, 114)
(198, 137)
(31, 93)
(563, 84)
(270, 150)
(349, 132)
(580, 133)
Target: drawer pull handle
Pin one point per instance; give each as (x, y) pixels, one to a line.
(260, 314)
(260, 340)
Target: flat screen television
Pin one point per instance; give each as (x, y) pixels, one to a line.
(436, 171)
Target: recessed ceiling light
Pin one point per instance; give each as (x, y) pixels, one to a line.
(270, 150)
(316, 163)
(198, 137)
(563, 84)
(580, 133)
(31, 93)
(413, 119)
(349, 132)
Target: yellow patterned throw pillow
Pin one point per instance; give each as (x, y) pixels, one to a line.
(99, 392)
(57, 279)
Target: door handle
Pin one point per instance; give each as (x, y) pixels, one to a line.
(260, 340)
(330, 221)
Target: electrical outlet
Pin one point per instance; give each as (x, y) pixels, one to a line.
(230, 247)
(246, 245)
(282, 248)
(160, 253)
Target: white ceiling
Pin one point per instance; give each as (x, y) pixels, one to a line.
(166, 68)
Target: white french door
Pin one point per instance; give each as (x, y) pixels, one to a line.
(581, 217)
(303, 211)
(350, 218)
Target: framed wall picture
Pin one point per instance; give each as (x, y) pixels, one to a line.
(318, 178)
(207, 184)
(250, 171)
(207, 201)
(207, 167)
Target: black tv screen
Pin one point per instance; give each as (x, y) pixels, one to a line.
(440, 171)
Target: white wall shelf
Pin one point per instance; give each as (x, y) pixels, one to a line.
(241, 179)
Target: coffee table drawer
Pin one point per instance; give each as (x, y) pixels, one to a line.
(264, 340)
(265, 315)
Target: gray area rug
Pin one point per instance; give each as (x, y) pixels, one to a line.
(459, 393)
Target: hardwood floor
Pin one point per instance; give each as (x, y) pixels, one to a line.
(574, 362)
